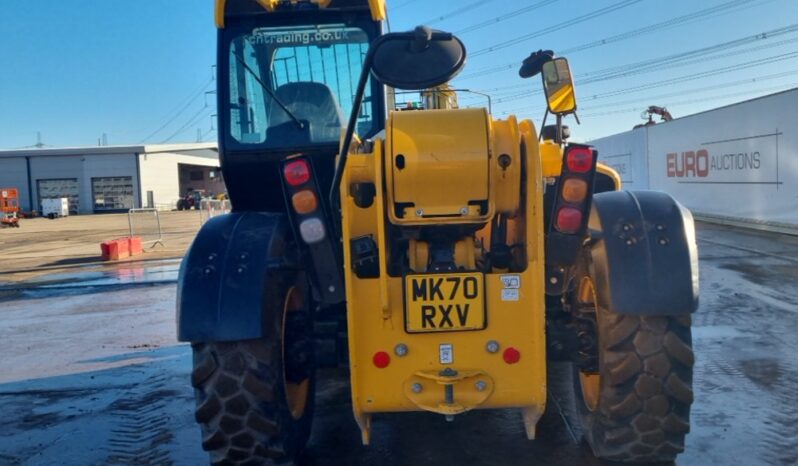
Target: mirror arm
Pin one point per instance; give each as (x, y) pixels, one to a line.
(543, 125)
(350, 132)
(358, 102)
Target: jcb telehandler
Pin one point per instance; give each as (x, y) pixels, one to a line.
(440, 254)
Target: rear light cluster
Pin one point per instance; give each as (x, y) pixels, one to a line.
(574, 193)
(304, 200)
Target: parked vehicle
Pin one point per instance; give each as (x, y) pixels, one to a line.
(442, 255)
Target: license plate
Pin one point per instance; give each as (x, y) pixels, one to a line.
(444, 302)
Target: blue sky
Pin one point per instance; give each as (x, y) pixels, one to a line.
(138, 71)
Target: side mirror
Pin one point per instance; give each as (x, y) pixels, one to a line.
(559, 86)
(417, 60)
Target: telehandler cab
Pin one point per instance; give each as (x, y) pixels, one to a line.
(442, 255)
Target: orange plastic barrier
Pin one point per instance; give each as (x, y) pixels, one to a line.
(121, 248)
(135, 246)
(115, 249)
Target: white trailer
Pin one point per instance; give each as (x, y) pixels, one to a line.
(56, 207)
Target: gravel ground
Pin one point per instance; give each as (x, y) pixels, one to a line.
(42, 246)
(92, 374)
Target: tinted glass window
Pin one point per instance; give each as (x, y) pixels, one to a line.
(312, 73)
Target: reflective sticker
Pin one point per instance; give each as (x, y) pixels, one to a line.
(510, 295)
(446, 353)
(511, 281)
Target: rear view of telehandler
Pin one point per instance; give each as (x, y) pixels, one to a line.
(442, 255)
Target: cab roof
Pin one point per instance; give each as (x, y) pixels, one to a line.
(227, 8)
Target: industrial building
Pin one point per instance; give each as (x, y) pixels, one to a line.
(735, 164)
(111, 178)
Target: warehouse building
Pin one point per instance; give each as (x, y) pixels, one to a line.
(736, 164)
(111, 178)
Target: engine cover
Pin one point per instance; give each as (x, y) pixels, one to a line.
(438, 167)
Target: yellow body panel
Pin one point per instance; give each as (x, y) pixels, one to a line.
(515, 313)
(506, 165)
(439, 165)
(609, 171)
(377, 8)
(551, 154)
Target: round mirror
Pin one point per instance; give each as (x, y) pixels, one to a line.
(418, 60)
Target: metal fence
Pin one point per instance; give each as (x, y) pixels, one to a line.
(210, 208)
(146, 223)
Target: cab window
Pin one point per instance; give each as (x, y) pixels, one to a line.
(295, 86)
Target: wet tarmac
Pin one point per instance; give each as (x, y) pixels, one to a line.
(91, 374)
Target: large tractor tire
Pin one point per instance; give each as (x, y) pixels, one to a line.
(635, 403)
(255, 397)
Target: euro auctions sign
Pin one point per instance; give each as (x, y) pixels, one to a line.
(744, 160)
(738, 161)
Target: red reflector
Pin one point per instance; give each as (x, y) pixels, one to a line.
(580, 159)
(381, 359)
(297, 172)
(511, 355)
(569, 220)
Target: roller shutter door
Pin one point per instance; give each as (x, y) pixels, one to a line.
(113, 193)
(58, 188)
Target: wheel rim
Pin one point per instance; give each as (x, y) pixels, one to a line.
(296, 393)
(589, 383)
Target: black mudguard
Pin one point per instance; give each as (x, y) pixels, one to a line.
(223, 276)
(644, 255)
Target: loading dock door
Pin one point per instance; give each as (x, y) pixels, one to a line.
(58, 188)
(113, 193)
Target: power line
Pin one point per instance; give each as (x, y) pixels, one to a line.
(459, 11)
(571, 22)
(741, 82)
(402, 5)
(735, 83)
(690, 101)
(669, 62)
(192, 98)
(684, 19)
(195, 118)
(690, 77)
(695, 16)
(505, 16)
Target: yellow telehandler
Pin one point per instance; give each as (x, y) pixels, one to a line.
(443, 256)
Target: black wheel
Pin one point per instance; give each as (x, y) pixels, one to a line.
(634, 402)
(255, 397)
(181, 205)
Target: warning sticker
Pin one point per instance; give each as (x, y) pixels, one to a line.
(446, 353)
(511, 281)
(511, 294)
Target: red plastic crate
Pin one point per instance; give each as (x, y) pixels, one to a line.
(134, 245)
(115, 249)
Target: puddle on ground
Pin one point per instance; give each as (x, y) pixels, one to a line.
(713, 332)
(124, 274)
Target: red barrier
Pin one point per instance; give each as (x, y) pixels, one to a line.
(115, 249)
(135, 245)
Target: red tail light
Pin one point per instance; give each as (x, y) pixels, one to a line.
(580, 159)
(381, 359)
(296, 172)
(511, 355)
(569, 220)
